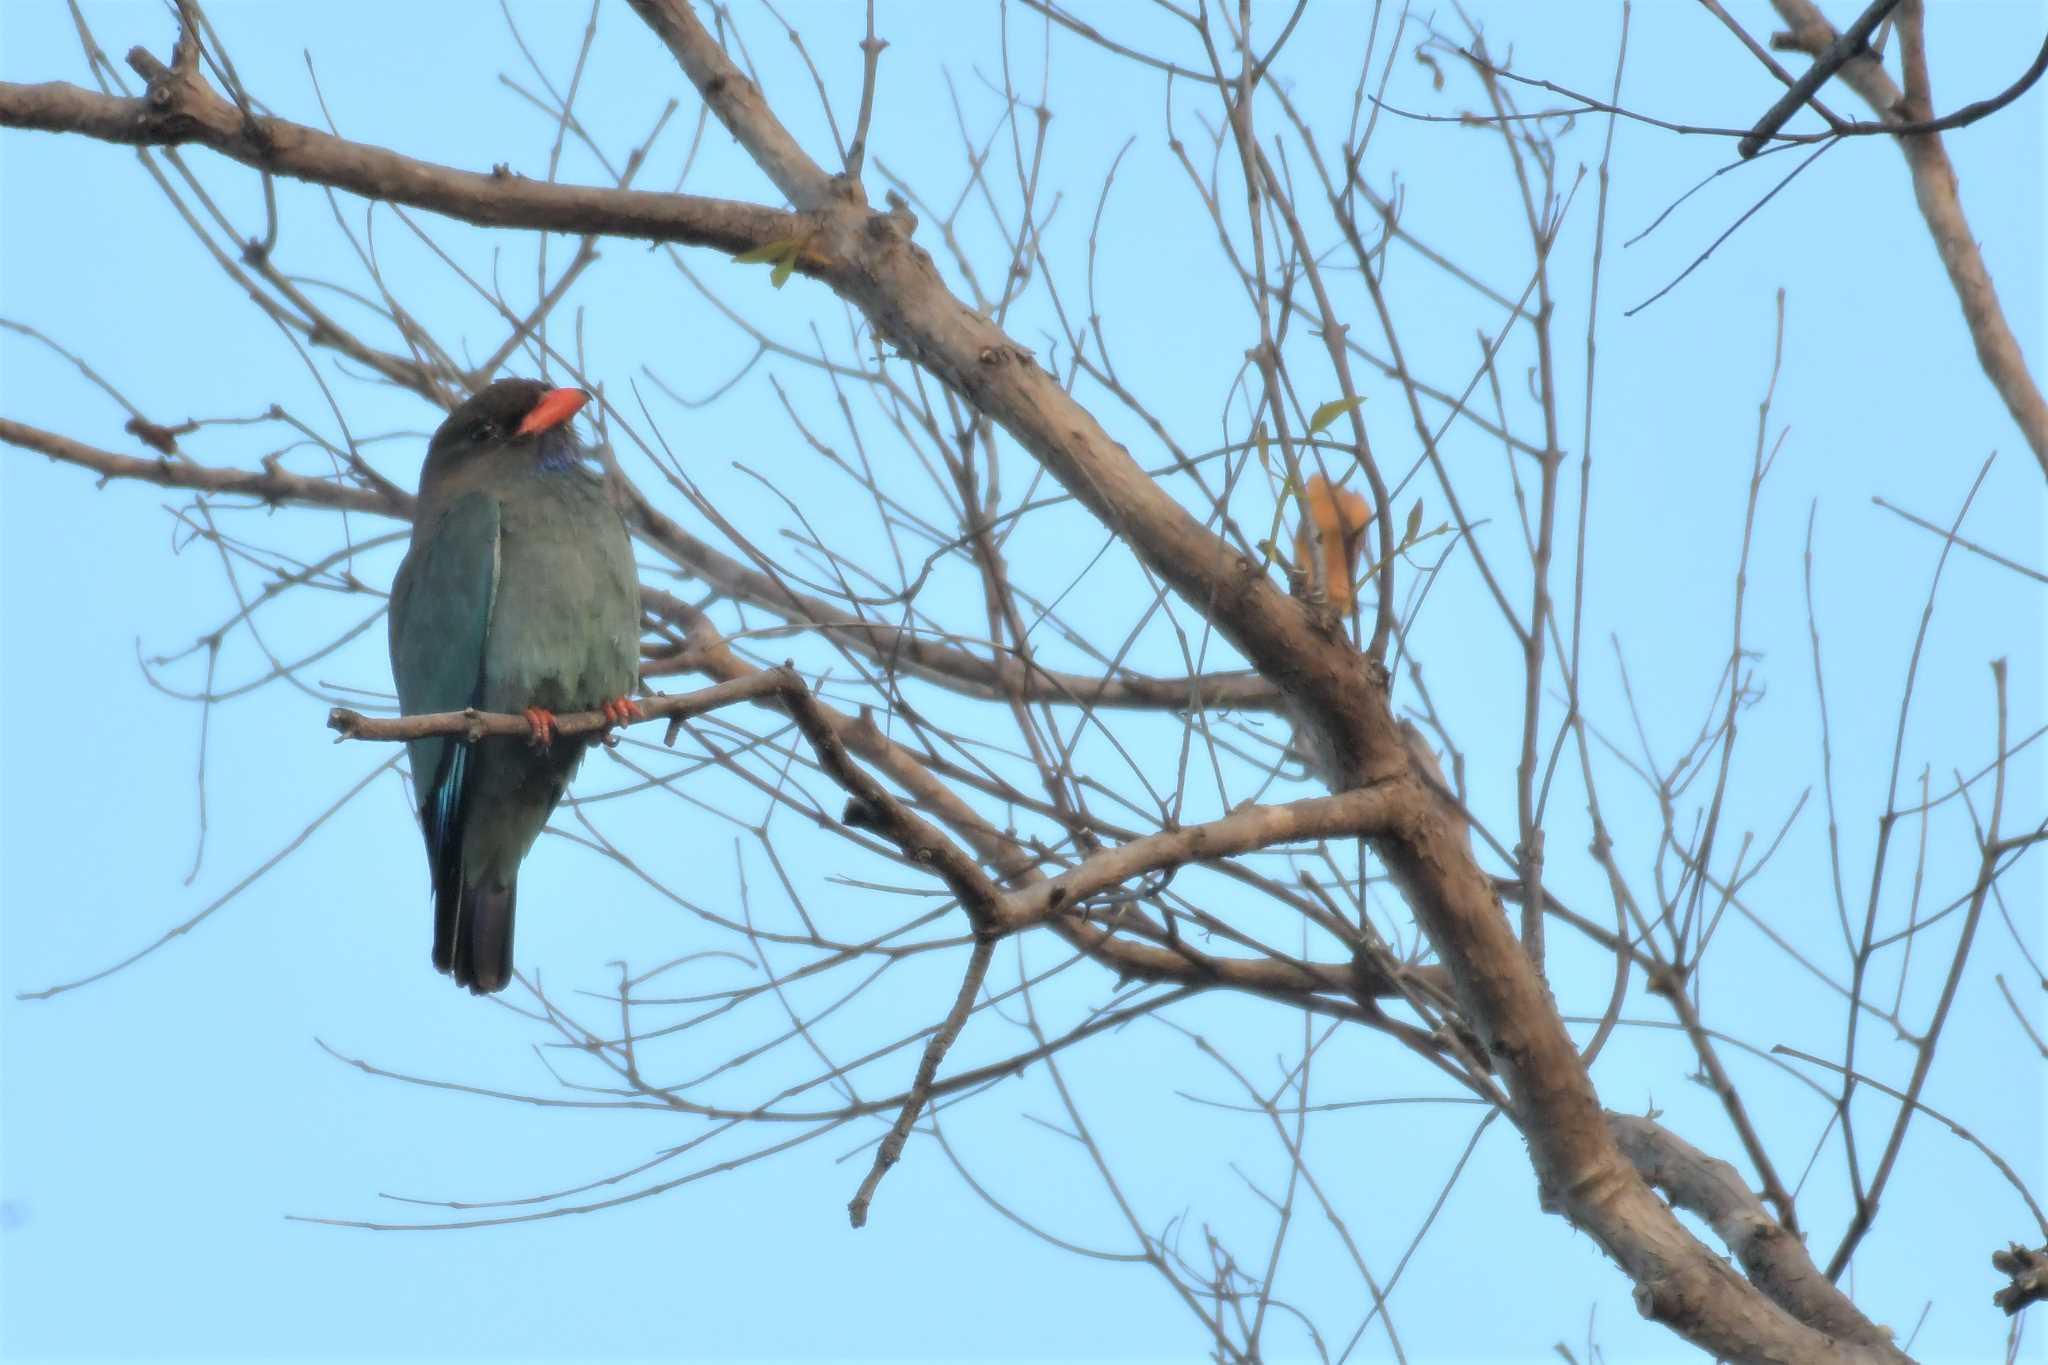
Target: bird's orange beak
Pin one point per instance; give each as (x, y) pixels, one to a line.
(555, 407)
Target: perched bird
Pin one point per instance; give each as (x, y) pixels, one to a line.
(1340, 517)
(518, 594)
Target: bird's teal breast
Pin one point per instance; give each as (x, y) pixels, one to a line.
(564, 632)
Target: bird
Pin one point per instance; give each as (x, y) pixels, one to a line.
(517, 594)
(1340, 517)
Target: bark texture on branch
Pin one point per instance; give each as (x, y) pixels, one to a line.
(1775, 1260)
(180, 109)
(1941, 205)
(273, 484)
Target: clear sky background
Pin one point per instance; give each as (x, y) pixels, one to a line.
(160, 1124)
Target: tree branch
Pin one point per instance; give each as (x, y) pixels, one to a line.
(1934, 187)
(180, 109)
(740, 107)
(473, 725)
(1851, 42)
(1774, 1260)
(272, 485)
(1359, 813)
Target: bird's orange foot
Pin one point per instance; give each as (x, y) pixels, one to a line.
(622, 711)
(542, 722)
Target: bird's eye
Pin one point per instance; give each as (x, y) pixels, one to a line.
(484, 432)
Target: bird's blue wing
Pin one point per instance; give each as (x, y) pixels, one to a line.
(440, 623)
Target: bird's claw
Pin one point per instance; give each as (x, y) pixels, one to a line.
(622, 711)
(542, 722)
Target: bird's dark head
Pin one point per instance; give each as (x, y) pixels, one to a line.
(509, 418)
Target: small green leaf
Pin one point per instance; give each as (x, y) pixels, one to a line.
(1414, 523)
(1265, 456)
(780, 275)
(766, 252)
(1330, 412)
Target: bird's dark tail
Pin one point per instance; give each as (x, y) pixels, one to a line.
(473, 934)
(472, 923)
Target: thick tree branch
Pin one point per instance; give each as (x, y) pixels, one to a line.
(181, 109)
(1774, 1259)
(1941, 205)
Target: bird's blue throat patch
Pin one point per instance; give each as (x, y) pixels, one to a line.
(559, 452)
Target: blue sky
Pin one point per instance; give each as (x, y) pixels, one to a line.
(159, 1125)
